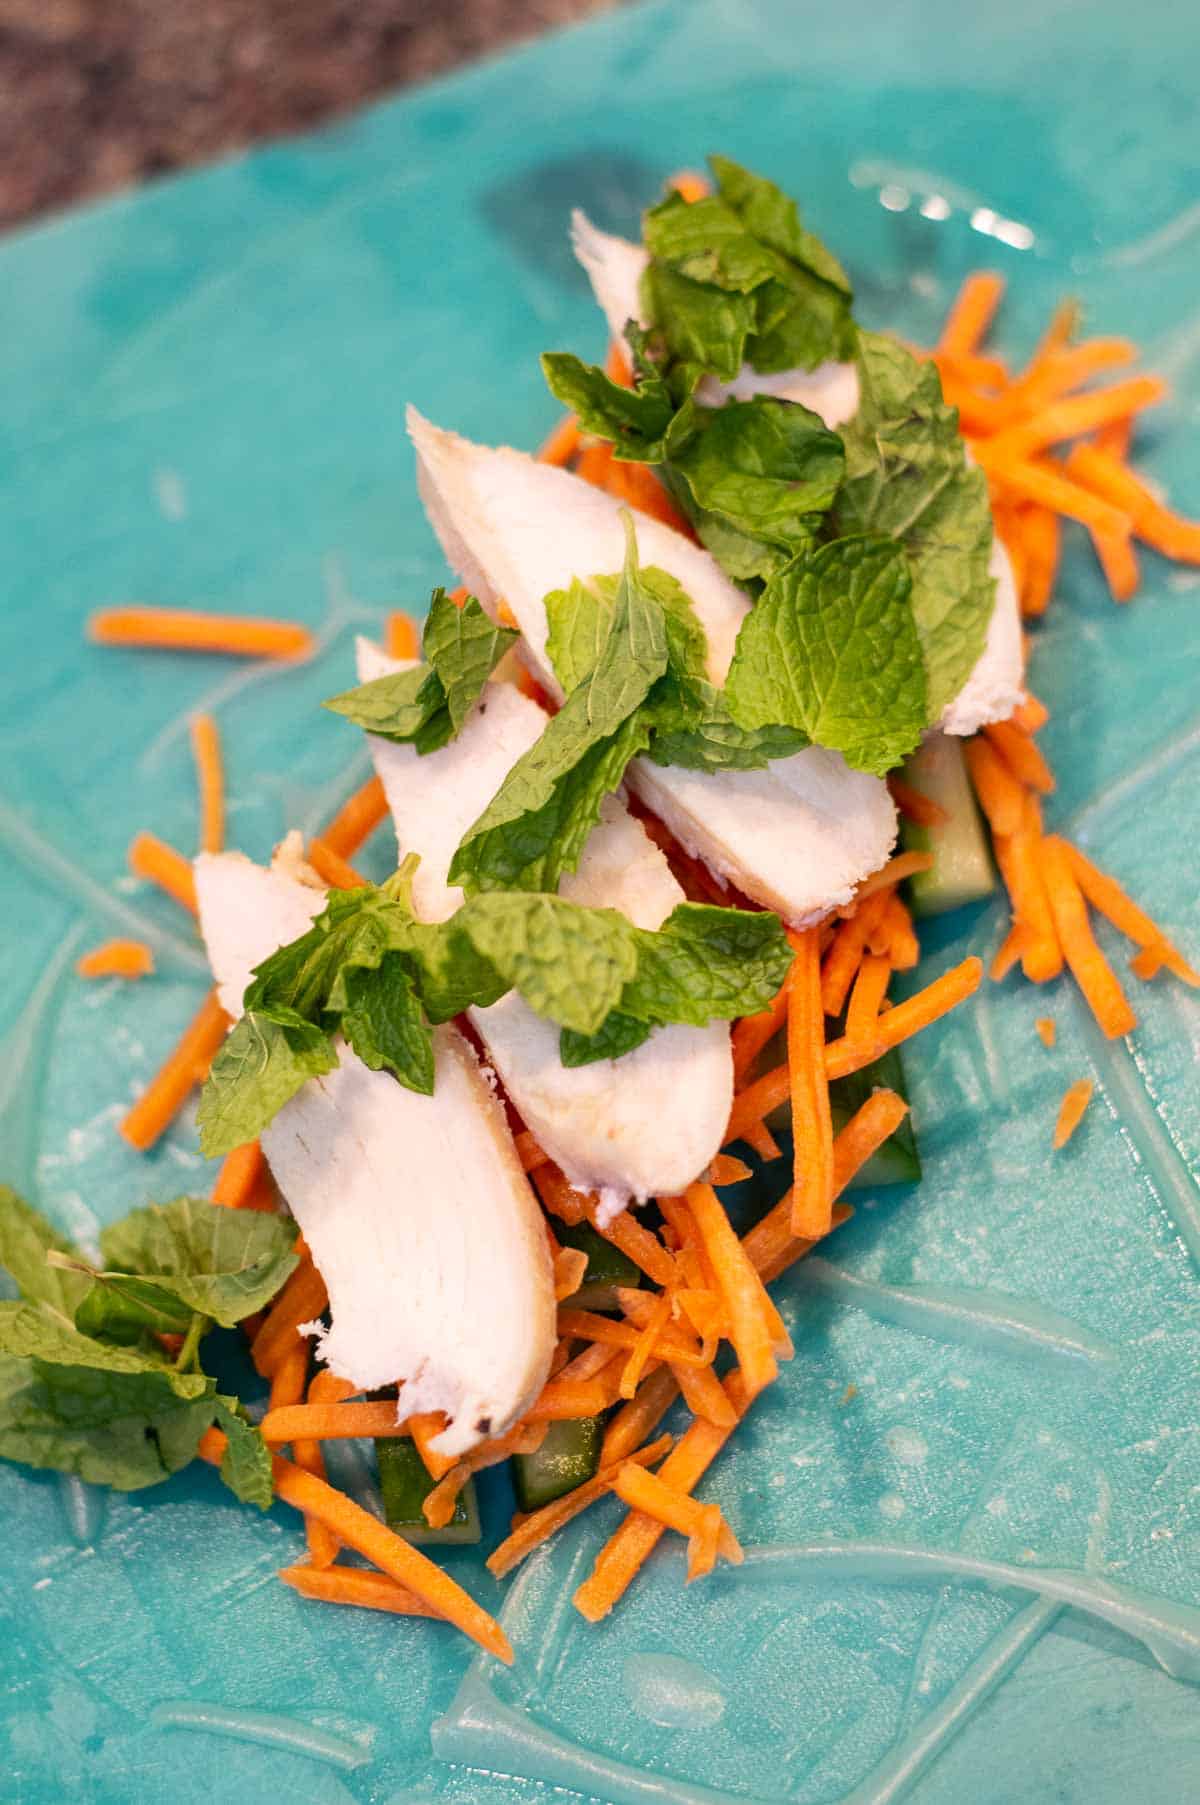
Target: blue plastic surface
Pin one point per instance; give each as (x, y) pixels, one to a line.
(992, 1410)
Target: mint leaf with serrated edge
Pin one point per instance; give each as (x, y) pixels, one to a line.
(26, 1237)
(831, 648)
(262, 1063)
(224, 1264)
(907, 475)
(768, 469)
(246, 1462)
(385, 1025)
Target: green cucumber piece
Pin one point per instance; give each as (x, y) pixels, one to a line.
(404, 1485)
(962, 870)
(569, 1455)
(607, 1268)
(897, 1162)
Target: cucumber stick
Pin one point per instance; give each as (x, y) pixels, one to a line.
(405, 1485)
(607, 1267)
(569, 1455)
(962, 864)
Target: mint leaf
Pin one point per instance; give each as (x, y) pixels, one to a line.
(831, 648)
(772, 217)
(25, 1239)
(616, 1035)
(384, 1023)
(127, 1309)
(246, 1462)
(633, 420)
(707, 242)
(403, 706)
(262, 1063)
(570, 963)
(694, 728)
(221, 1263)
(768, 469)
(907, 475)
(704, 328)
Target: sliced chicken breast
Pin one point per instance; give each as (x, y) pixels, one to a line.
(636, 1127)
(420, 1219)
(614, 268)
(797, 836)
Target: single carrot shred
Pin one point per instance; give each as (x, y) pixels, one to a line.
(751, 1326)
(642, 1247)
(841, 962)
(812, 1127)
(903, 865)
(210, 773)
(185, 1067)
(1105, 894)
(290, 1378)
(360, 1586)
(570, 1264)
(752, 1033)
(151, 858)
(1030, 714)
(540, 1525)
(1009, 954)
(1118, 561)
(867, 997)
(561, 444)
(356, 820)
(1047, 1031)
(702, 1524)
(320, 1422)
(690, 185)
(1089, 967)
(1071, 1111)
(905, 1019)
(302, 1300)
(402, 637)
(996, 787)
(914, 805)
(1019, 752)
(193, 630)
(117, 959)
(239, 1176)
(335, 871)
(634, 1421)
(972, 313)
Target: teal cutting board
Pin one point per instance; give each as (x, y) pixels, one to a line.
(972, 1502)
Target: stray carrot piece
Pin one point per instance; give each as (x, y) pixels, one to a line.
(634, 1421)
(1071, 1111)
(184, 1068)
(540, 1525)
(1058, 369)
(1020, 753)
(903, 865)
(1153, 522)
(360, 1586)
(903, 948)
(841, 962)
(401, 637)
(1044, 482)
(1041, 540)
(866, 999)
(238, 1176)
(756, 1101)
(1149, 962)
(812, 1127)
(459, 596)
(191, 630)
(356, 820)
(1105, 894)
(558, 1195)
(703, 1394)
(289, 1378)
(1115, 439)
(302, 1299)
(594, 463)
(915, 806)
(323, 1544)
(643, 1248)
(752, 1329)
(327, 1388)
(358, 1529)
(206, 749)
(566, 1400)
(759, 1137)
(332, 868)
(752, 1033)
(1067, 419)
(149, 857)
(424, 1427)
(617, 366)
(727, 1169)
(318, 1422)
(701, 1523)
(1118, 561)
(690, 185)
(645, 1345)
(1019, 857)
(560, 446)
(971, 314)
(908, 1018)
(1091, 970)
(528, 1151)
(1030, 715)
(1000, 794)
(1008, 955)
(117, 959)
(1047, 1031)
(570, 1264)
(586, 1325)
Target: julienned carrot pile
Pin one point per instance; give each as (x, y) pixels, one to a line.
(117, 959)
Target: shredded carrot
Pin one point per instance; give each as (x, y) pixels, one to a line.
(289, 1378)
(239, 1175)
(1118, 561)
(337, 872)
(594, 463)
(915, 806)
(1115, 439)
(1019, 752)
(867, 997)
(638, 485)
(566, 1400)
(972, 313)
(210, 774)
(812, 1128)
(359, 1530)
(643, 1248)
(646, 1344)
(302, 1299)
(334, 1422)
(999, 792)
(727, 1169)
(908, 1018)
(751, 1328)
(1041, 541)
(1030, 715)
(904, 865)
(561, 444)
(587, 1365)
(752, 1033)
(1105, 894)
(1019, 857)
(558, 1195)
(1009, 953)
(1067, 419)
(587, 1325)
(759, 1137)
(323, 1544)
(356, 820)
(1091, 970)
(438, 1506)
(1106, 476)
(540, 1525)
(190, 630)
(1071, 1111)
(570, 1264)
(327, 1388)
(402, 638)
(704, 1395)
(360, 1586)
(690, 185)
(1047, 1032)
(117, 959)
(617, 366)
(903, 947)
(634, 1421)
(425, 1426)
(185, 1067)
(702, 1524)
(1041, 481)
(841, 962)
(151, 858)
(1055, 370)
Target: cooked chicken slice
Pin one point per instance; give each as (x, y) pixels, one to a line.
(994, 687)
(636, 1127)
(797, 836)
(419, 1216)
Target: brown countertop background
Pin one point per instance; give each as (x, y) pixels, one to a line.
(99, 94)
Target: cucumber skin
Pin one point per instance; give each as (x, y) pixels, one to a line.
(569, 1455)
(962, 870)
(405, 1484)
(607, 1268)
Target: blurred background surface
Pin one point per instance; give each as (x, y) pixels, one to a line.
(97, 95)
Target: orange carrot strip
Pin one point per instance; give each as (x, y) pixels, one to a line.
(842, 960)
(789, 1248)
(560, 446)
(972, 313)
(438, 1505)
(903, 948)
(1041, 538)
(866, 999)
(360, 1586)
(1030, 715)
(1091, 970)
(727, 1169)
(587, 1365)
(750, 1325)
(302, 1298)
(149, 857)
(1021, 755)
(327, 1388)
(238, 1176)
(625, 1552)
(703, 1394)
(565, 1400)
(184, 1068)
(915, 806)
(356, 820)
(690, 185)
(1043, 482)
(1115, 438)
(586, 1325)
(634, 1421)
(645, 1345)
(1104, 893)
(640, 487)
(1148, 963)
(337, 872)
(1166, 531)
(752, 1033)
(643, 1248)
(1000, 794)
(366, 1534)
(1071, 1110)
(117, 959)
(617, 366)
(905, 864)
(756, 1101)
(191, 630)
(1019, 857)
(540, 1525)
(558, 1195)
(758, 1136)
(1055, 371)
(970, 367)
(570, 1264)
(401, 635)
(289, 1378)
(908, 1018)
(528, 1152)
(676, 1510)
(594, 464)
(1008, 955)
(1118, 561)
(1077, 414)
(323, 1544)
(333, 1422)
(1047, 1032)
(424, 1427)
(812, 1128)
(206, 750)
